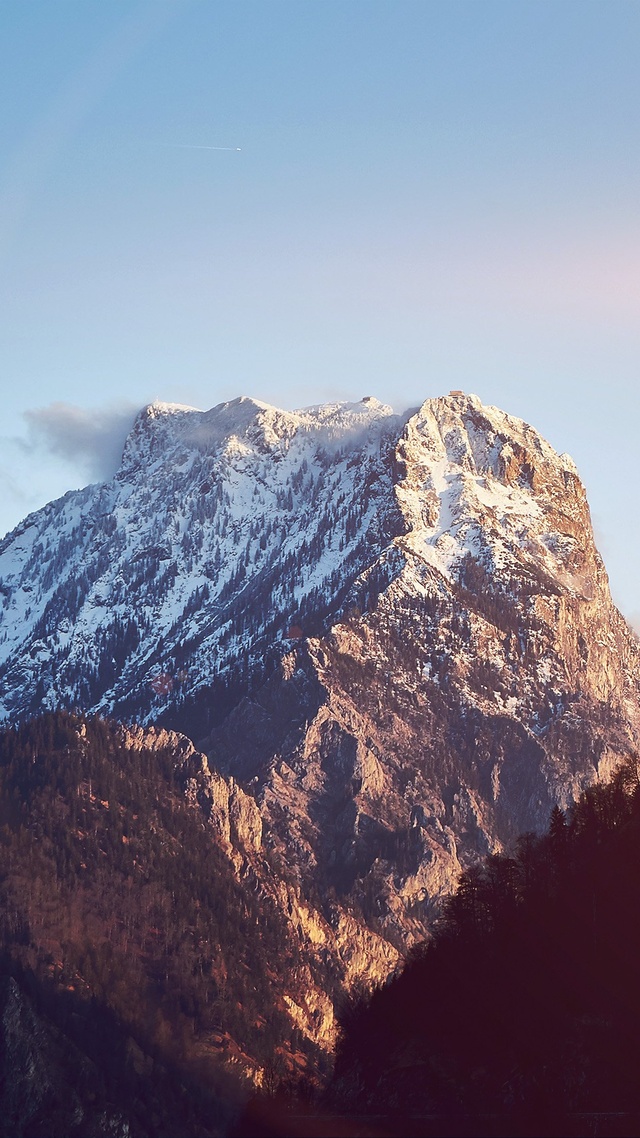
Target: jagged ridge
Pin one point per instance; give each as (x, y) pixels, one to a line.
(219, 531)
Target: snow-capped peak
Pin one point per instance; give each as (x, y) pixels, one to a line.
(223, 528)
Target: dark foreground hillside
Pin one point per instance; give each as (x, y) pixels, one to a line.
(137, 985)
(524, 1010)
(521, 1016)
(141, 980)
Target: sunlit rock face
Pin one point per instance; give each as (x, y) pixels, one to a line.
(480, 675)
(408, 620)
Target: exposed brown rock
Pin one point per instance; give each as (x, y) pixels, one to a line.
(492, 678)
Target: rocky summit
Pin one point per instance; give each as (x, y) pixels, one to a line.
(390, 640)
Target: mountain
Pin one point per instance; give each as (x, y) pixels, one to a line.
(390, 638)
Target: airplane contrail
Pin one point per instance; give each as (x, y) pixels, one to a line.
(188, 146)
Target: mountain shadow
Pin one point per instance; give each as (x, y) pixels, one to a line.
(523, 1011)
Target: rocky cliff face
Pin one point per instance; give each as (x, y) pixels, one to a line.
(334, 947)
(414, 614)
(490, 678)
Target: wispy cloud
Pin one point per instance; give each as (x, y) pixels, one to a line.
(190, 146)
(89, 439)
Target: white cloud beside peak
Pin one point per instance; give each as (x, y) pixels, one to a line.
(91, 440)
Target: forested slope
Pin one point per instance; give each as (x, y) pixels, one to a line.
(122, 918)
(527, 1001)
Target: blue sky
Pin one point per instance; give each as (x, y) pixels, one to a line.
(427, 195)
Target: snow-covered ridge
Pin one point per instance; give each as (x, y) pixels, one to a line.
(252, 423)
(481, 483)
(224, 529)
(220, 530)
